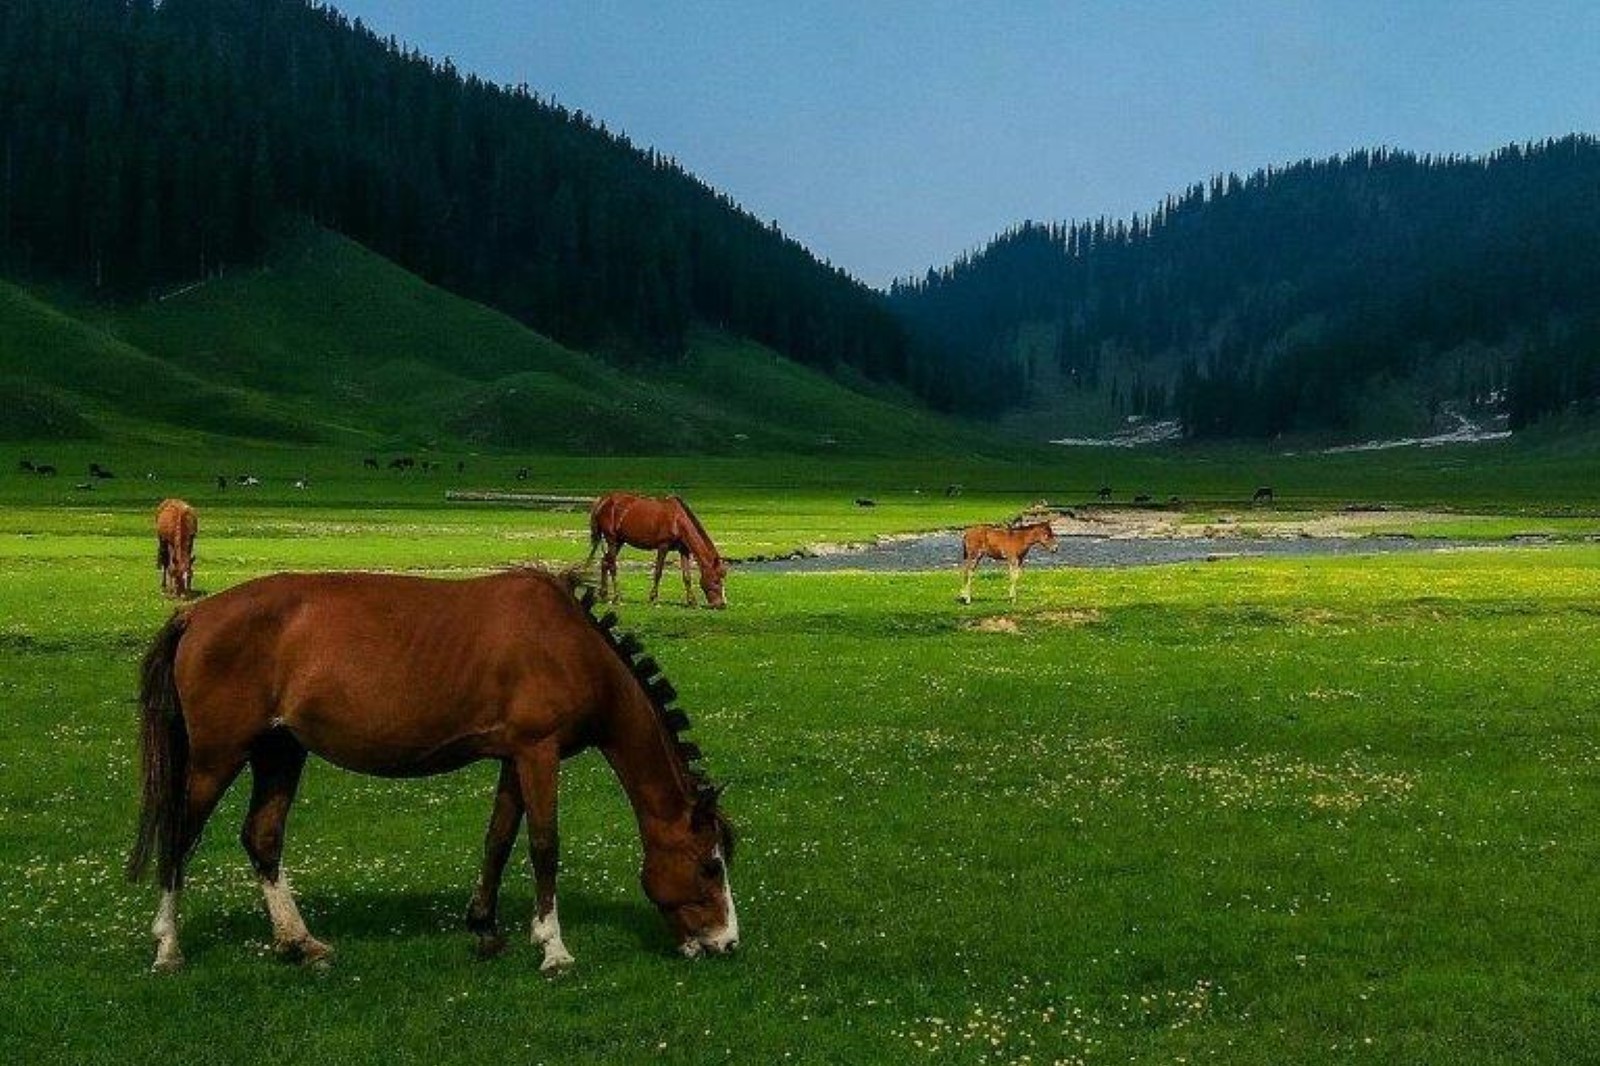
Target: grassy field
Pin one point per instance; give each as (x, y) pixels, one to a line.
(1308, 811)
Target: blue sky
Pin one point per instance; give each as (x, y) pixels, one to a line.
(890, 137)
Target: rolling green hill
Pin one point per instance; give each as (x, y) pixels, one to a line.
(327, 342)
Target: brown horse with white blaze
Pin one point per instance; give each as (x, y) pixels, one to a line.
(176, 528)
(404, 676)
(1010, 543)
(665, 525)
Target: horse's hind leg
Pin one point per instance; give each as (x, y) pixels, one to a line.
(206, 781)
(608, 568)
(503, 822)
(537, 772)
(275, 766)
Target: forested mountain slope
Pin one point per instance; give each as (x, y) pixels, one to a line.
(1300, 299)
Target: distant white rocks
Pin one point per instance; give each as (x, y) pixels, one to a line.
(1137, 433)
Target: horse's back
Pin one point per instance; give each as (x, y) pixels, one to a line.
(175, 518)
(388, 673)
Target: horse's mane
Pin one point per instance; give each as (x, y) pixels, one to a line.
(694, 520)
(663, 700)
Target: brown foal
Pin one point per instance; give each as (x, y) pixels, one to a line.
(1001, 542)
(176, 529)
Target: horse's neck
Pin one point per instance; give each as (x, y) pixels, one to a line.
(640, 750)
(698, 543)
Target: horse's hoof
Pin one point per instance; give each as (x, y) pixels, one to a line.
(490, 946)
(307, 950)
(556, 963)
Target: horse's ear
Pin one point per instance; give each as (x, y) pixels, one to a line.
(705, 806)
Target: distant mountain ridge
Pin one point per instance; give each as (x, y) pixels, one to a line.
(148, 146)
(1367, 291)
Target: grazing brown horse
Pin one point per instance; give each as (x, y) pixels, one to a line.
(664, 524)
(176, 528)
(403, 676)
(1001, 542)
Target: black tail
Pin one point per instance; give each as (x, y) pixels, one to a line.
(595, 535)
(164, 757)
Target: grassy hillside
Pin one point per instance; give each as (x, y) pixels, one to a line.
(330, 343)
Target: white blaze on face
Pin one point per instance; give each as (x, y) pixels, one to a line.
(725, 938)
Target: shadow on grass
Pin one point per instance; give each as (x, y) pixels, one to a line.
(380, 916)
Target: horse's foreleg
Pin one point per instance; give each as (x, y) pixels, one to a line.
(482, 913)
(661, 563)
(688, 582)
(1015, 566)
(206, 782)
(275, 767)
(537, 772)
(967, 568)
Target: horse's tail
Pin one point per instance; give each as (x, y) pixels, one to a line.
(595, 534)
(164, 757)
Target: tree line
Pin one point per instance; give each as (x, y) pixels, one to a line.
(1277, 302)
(144, 147)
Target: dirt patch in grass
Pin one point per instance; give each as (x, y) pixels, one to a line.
(999, 624)
(1077, 616)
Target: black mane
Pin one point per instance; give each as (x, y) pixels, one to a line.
(663, 699)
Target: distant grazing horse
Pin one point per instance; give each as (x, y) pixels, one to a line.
(26, 466)
(45, 470)
(369, 463)
(1104, 493)
(176, 528)
(666, 525)
(98, 471)
(1263, 495)
(1001, 542)
(222, 483)
(404, 677)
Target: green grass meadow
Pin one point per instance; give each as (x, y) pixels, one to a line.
(1299, 811)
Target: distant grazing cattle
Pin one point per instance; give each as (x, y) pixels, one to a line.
(1263, 495)
(522, 474)
(83, 486)
(952, 490)
(222, 483)
(299, 482)
(370, 463)
(862, 501)
(248, 480)
(45, 470)
(1104, 493)
(98, 471)
(460, 466)
(26, 466)
(1174, 501)
(1143, 497)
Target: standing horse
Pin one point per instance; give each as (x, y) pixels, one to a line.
(667, 525)
(403, 676)
(176, 529)
(1001, 542)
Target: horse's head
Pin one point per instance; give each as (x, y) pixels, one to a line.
(712, 576)
(686, 877)
(1045, 534)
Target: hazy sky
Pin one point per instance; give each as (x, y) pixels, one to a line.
(889, 137)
